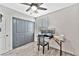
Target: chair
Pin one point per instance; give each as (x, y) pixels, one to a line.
(42, 42)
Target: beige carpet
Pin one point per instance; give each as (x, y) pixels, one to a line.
(31, 50)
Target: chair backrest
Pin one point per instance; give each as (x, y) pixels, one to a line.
(41, 39)
(48, 32)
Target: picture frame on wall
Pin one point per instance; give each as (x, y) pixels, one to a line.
(0, 18)
(0, 29)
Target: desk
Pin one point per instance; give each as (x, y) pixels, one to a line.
(57, 39)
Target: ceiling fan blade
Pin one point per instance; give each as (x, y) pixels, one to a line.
(26, 4)
(41, 8)
(38, 4)
(28, 9)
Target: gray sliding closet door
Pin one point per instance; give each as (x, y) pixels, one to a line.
(23, 32)
(30, 31)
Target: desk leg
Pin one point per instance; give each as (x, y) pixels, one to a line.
(60, 48)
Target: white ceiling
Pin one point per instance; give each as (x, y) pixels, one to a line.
(51, 7)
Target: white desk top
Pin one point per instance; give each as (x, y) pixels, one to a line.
(60, 38)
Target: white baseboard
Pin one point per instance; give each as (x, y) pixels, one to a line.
(64, 51)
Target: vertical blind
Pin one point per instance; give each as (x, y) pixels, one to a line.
(42, 23)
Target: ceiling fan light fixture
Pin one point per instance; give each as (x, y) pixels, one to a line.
(34, 8)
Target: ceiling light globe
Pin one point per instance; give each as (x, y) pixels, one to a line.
(34, 8)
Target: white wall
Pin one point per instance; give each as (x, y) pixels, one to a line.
(66, 21)
(7, 16)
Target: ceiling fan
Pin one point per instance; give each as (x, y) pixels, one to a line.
(34, 6)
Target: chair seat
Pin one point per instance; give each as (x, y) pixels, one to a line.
(43, 44)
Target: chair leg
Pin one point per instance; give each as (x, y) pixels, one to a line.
(60, 48)
(43, 49)
(48, 46)
(38, 47)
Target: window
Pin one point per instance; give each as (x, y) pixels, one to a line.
(43, 23)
